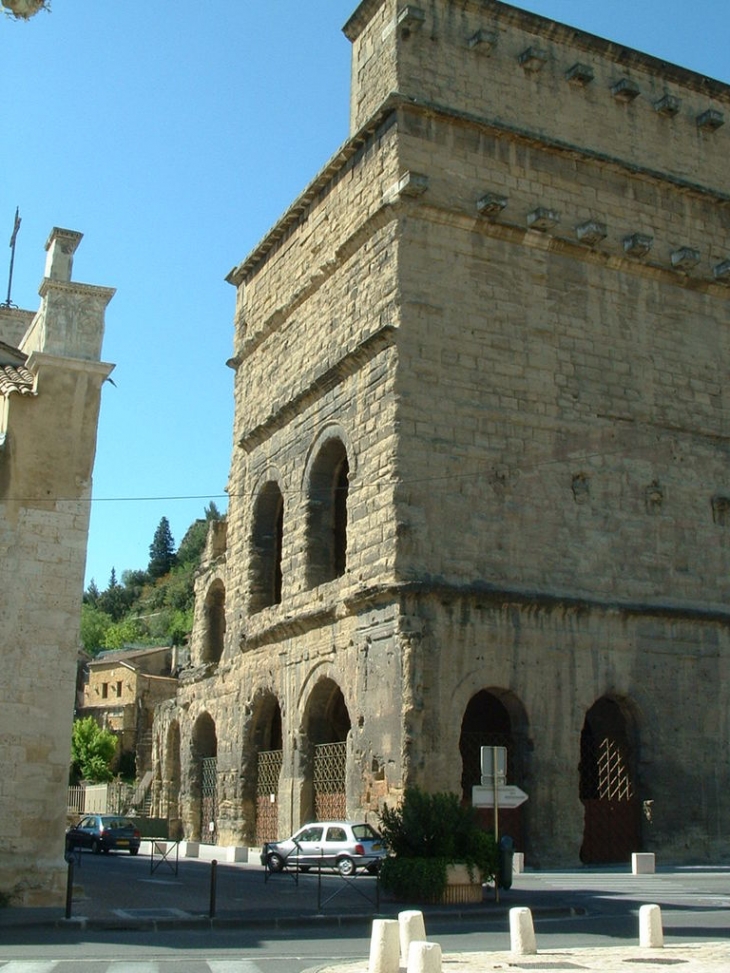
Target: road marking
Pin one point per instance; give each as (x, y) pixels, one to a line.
(233, 966)
(28, 966)
(119, 966)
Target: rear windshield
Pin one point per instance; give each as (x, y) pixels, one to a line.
(363, 832)
(118, 823)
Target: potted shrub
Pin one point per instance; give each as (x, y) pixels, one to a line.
(438, 851)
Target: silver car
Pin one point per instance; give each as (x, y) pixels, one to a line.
(327, 844)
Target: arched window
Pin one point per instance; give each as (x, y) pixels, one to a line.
(215, 622)
(268, 530)
(327, 514)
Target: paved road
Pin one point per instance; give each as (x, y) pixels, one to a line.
(129, 918)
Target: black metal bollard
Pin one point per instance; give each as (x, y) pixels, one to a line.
(213, 876)
(69, 887)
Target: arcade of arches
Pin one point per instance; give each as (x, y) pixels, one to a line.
(317, 756)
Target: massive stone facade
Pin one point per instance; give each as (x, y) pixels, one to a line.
(50, 386)
(479, 492)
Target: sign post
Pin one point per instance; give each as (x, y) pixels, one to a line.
(494, 792)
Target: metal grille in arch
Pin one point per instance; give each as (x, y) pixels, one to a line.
(268, 769)
(330, 762)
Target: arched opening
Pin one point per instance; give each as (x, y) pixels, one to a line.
(496, 718)
(326, 726)
(214, 614)
(204, 780)
(327, 514)
(608, 784)
(266, 755)
(266, 543)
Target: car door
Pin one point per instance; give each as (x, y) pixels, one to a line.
(336, 844)
(308, 845)
(87, 831)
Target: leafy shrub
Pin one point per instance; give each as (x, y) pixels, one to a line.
(427, 832)
(420, 879)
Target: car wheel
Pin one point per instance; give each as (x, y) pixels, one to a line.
(374, 868)
(96, 847)
(346, 867)
(275, 862)
(133, 851)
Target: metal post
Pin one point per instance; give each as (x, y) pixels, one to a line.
(496, 820)
(69, 887)
(213, 870)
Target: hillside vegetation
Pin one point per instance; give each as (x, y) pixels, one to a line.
(152, 606)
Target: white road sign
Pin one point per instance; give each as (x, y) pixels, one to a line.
(508, 796)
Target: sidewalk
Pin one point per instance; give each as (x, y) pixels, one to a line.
(696, 958)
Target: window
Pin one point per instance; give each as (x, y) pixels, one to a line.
(266, 544)
(119, 689)
(104, 690)
(327, 514)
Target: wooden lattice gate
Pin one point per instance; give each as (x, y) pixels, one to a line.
(268, 769)
(612, 820)
(330, 761)
(209, 801)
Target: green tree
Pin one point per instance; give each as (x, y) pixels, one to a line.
(121, 633)
(94, 626)
(92, 751)
(162, 551)
(91, 595)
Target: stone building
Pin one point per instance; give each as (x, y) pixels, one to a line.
(50, 387)
(121, 690)
(479, 492)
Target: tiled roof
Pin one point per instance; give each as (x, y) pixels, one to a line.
(16, 379)
(14, 376)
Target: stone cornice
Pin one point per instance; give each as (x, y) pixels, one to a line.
(72, 287)
(553, 30)
(387, 111)
(301, 204)
(488, 596)
(39, 359)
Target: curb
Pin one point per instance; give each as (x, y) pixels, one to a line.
(165, 923)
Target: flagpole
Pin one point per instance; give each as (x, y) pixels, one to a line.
(16, 227)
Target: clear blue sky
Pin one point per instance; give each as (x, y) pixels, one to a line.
(173, 134)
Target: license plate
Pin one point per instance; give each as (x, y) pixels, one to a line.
(122, 841)
(377, 846)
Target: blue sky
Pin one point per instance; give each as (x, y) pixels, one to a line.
(173, 134)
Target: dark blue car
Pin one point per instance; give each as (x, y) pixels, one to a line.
(104, 832)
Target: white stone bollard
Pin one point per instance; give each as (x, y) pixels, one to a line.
(411, 927)
(643, 863)
(521, 932)
(384, 947)
(424, 957)
(651, 934)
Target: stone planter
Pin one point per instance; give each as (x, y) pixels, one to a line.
(460, 887)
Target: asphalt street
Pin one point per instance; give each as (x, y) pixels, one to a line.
(138, 915)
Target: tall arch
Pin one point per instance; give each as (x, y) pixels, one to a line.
(496, 718)
(263, 760)
(327, 494)
(326, 728)
(214, 615)
(266, 544)
(204, 780)
(609, 744)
